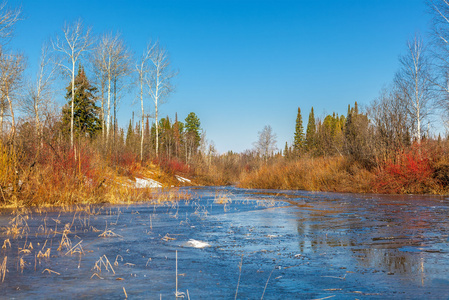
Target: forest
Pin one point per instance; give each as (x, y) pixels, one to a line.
(77, 153)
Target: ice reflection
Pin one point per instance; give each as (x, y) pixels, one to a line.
(392, 235)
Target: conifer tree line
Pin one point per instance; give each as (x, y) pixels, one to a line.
(334, 135)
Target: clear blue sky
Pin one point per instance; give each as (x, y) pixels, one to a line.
(245, 64)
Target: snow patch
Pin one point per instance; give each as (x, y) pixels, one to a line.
(147, 183)
(182, 179)
(196, 244)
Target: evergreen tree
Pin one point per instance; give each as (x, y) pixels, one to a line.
(311, 131)
(358, 136)
(298, 143)
(129, 135)
(176, 136)
(192, 128)
(86, 119)
(286, 151)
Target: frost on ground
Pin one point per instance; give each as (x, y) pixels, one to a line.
(182, 179)
(147, 183)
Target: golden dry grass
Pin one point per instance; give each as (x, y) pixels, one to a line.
(312, 174)
(66, 180)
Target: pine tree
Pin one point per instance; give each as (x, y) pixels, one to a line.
(298, 143)
(86, 112)
(311, 131)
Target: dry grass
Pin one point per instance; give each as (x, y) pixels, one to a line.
(66, 176)
(222, 197)
(312, 174)
(18, 226)
(3, 269)
(103, 262)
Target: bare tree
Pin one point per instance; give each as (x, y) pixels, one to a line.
(111, 59)
(440, 43)
(100, 79)
(391, 122)
(3, 112)
(415, 83)
(142, 71)
(39, 94)
(8, 18)
(159, 80)
(71, 47)
(266, 144)
(11, 71)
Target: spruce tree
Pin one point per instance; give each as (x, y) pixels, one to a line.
(311, 131)
(129, 135)
(298, 143)
(286, 151)
(176, 135)
(86, 112)
(193, 128)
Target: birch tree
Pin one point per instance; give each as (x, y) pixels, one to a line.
(266, 144)
(8, 18)
(415, 83)
(440, 43)
(112, 61)
(122, 68)
(75, 41)
(39, 93)
(159, 81)
(3, 112)
(100, 80)
(142, 71)
(11, 68)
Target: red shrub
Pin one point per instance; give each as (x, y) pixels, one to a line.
(409, 172)
(172, 166)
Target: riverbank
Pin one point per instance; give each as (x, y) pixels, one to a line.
(415, 171)
(58, 176)
(81, 175)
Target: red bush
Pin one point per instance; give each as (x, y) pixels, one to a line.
(172, 166)
(409, 172)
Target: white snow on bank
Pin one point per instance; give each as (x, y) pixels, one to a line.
(196, 244)
(182, 179)
(147, 183)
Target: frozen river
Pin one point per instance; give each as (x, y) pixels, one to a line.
(232, 243)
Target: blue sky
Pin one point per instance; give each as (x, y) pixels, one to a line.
(246, 64)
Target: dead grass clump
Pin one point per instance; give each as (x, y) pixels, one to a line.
(45, 254)
(109, 233)
(103, 262)
(308, 173)
(18, 226)
(3, 269)
(6, 243)
(65, 242)
(222, 197)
